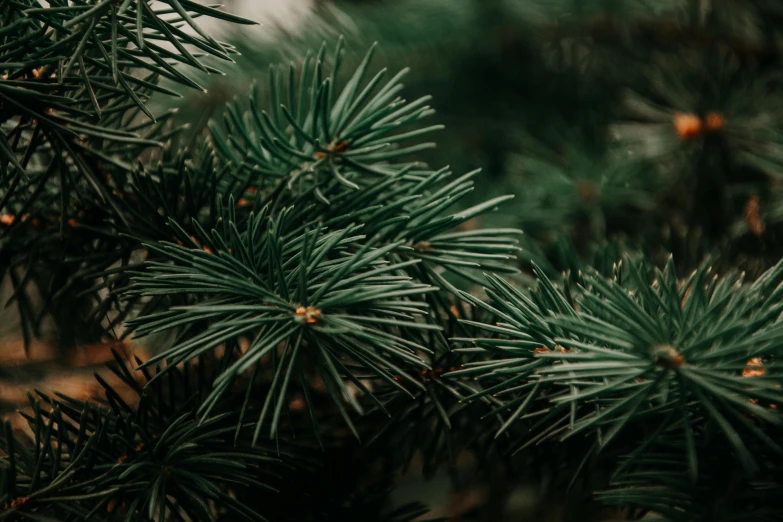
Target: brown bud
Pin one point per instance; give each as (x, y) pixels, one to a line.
(309, 313)
(753, 215)
(687, 125)
(754, 368)
(714, 122)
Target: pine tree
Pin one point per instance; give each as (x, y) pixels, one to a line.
(321, 311)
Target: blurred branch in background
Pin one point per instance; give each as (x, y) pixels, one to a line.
(571, 77)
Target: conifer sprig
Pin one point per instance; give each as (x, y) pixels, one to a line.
(643, 346)
(74, 75)
(314, 134)
(323, 295)
(142, 455)
(339, 155)
(347, 274)
(75, 79)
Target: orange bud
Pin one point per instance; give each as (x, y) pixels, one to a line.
(310, 314)
(753, 215)
(298, 403)
(340, 146)
(714, 122)
(754, 368)
(688, 125)
(668, 356)
(19, 502)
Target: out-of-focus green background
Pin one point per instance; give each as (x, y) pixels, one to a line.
(502, 78)
(568, 105)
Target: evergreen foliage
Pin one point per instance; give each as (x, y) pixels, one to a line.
(645, 362)
(309, 286)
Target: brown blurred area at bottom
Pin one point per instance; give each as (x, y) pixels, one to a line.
(44, 368)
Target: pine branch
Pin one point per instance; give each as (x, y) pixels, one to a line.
(74, 82)
(152, 459)
(640, 349)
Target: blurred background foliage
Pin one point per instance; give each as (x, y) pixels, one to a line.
(617, 124)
